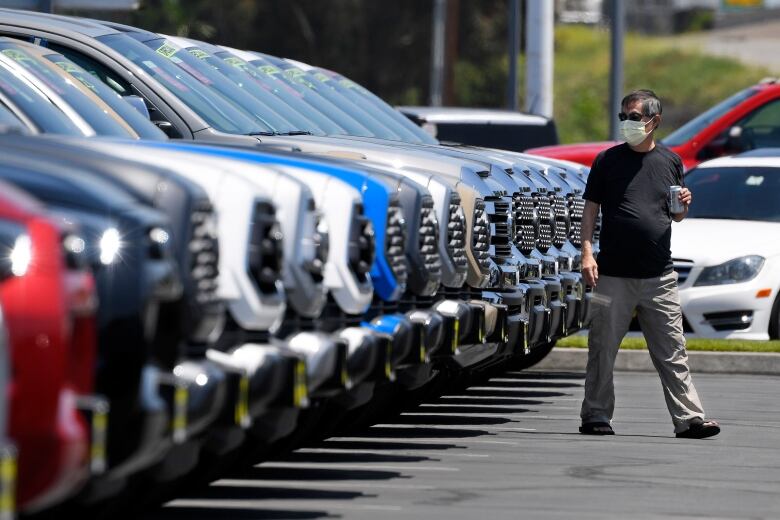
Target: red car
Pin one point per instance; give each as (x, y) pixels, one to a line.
(48, 304)
(749, 119)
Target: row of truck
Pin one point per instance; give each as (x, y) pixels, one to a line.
(209, 255)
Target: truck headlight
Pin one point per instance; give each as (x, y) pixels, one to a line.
(737, 270)
(21, 255)
(110, 244)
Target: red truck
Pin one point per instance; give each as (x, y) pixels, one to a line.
(48, 303)
(749, 119)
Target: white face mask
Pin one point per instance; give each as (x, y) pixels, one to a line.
(634, 132)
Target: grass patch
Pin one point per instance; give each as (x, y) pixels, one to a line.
(715, 345)
(687, 81)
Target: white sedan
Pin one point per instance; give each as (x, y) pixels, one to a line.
(727, 251)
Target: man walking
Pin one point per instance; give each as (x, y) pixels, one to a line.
(630, 184)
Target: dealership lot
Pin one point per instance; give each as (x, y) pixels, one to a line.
(509, 449)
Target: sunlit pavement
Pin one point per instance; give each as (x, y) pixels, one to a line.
(510, 449)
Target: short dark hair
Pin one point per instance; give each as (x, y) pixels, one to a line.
(651, 105)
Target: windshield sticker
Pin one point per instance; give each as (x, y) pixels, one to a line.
(297, 76)
(17, 55)
(755, 180)
(167, 50)
(234, 61)
(269, 69)
(77, 73)
(347, 83)
(321, 77)
(201, 55)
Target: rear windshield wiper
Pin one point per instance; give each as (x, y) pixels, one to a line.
(296, 132)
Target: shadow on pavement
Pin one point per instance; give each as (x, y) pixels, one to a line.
(411, 432)
(470, 409)
(448, 420)
(239, 492)
(543, 375)
(344, 456)
(270, 471)
(505, 392)
(464, 399)
(387, 445)
(530, 384)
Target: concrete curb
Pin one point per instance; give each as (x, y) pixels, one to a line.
(700, 362)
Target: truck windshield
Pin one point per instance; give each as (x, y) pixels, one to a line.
(50, 76)
(215, 110)
(142, 126)
(213, 79)
(687, 131)
(35, 106)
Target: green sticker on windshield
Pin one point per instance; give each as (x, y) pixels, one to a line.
(269, 69)
(348, 83)
(70, 68)
(321, 77)
(167, 50)
(297, 76)
(201, 55)
(234, 61)
(16, 55)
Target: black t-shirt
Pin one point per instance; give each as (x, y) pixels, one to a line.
(633, 191)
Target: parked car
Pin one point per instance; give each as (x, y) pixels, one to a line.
(746, 120)
(494, 128)
(728, 268)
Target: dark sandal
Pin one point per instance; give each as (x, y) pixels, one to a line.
(596, 428)
(700, 430)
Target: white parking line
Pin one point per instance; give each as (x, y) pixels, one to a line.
(313, 484)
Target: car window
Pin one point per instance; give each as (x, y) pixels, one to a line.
(686, 132)
(211, 106)
(142, 126)
(761, 128)
(35, 106)
(742, 193)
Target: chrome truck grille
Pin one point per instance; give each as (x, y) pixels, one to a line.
(204, 253)
(456, 233)
(561, 231)
(265, 248)
(543, 209)
(480, 235)
(395, 242)
(525, 216)
(501, 228)
(429, 239)
(576, 212)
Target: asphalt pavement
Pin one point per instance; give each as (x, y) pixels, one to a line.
(510, 449)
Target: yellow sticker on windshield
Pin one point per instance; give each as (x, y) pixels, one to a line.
(167, 50)
(321, 77)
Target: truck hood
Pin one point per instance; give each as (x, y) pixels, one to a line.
(714, 241)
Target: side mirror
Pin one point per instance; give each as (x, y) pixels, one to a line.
(139, 104)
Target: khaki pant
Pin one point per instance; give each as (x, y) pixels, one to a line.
(658, 309)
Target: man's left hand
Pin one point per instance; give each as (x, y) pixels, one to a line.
(686, 196)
